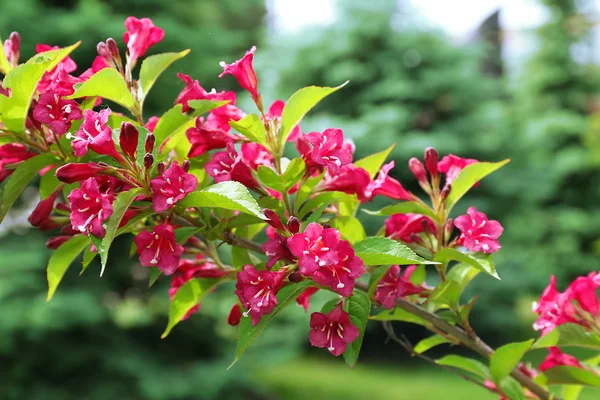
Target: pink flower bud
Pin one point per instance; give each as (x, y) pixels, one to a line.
(113, 49)
(448, 229)
(128, 138)
(54, 242)
(42, 211)
(160, 168)
(103, 52)
(186, 165)
(295, 277)
(235, 315)
(12, 48)
(418, 169)
(431, 160)
(243, 71)
(293, 224)
(273, 219)
(445, 192)
(148, 160)
(75, 172)
(149, 145)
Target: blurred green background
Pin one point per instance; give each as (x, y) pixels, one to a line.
(504, 90)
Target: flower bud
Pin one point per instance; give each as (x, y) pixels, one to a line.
(128, 138)
(186, 166)
(75, 172)
(415, 238)
(273, 219)
(326, 226)
(235, 315)
(54, 242)
(295, 277)
(445, 192)
(418, 169)
(69, 230)
(448, 228)
(12, 48)
(431, 161)
(160, 168)
(148, 160)
(42, 211)
(426, 226)
(293, 224)
(113, 49)
(103, 52)
(149, 146)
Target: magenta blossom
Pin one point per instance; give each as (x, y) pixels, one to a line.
(393, 285)
(152, 122)
(12, 49)
(257, 291)
(478, 233)
(98, 64)
(95, 134)
(351, 180)
(256, 155)
(56, 112)
(387, 186)
(171, 186)
(333, 331)
(75, 172)
(304, 299)
(159, 248)
(274, 115)
(451, 165)
(276, 248)
(403, 226)
(206, 136)
(243, 71)
(229, 166)
(90, 208)
(315, 247)
(11, 154)
(328, 150)
(140, 36)
(557, 358)
(341, 275)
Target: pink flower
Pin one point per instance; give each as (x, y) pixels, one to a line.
(67, 63)
(333, 331)
(140, 36)
(393, 285)
(90, 208)
(256, 155)
(257, 291)
(151, 124)
(11, 154)
(328, 150)
(315, 247)
(12, 48)
(340, 276)
(159, 248)
(191, 91)
(229, 166)
(451, 165)
(304, 299)
(98, 64)
(386, 186)
(235, 315)
(207, 136)
(274, 114)
(276, 248)
(557, 358)
(479, 233)
(95, 134)
(75, 172)
(243, 71)
(170, 187)
(56, 112)
(403, 226)
(351, 180)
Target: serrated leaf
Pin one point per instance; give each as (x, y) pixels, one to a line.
(429, 343)
(383, 251)
(399, 314)
(468, 177)
(406, 207)
(155, 65)
(569, 335)
(20, 178)
(350, 228)
(248, 333)
(187, 296)
(372, 164)
(567, 375)
(506, 358)
(229, 195)
(61, 259)
(359, 308)
(466, 364)
(299, 104)
(448, 254)
(252, 127)
(107, 83)
(446, 293)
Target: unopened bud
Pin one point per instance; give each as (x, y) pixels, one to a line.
(445, 192)
(186, 165)
(414, 238)
(149, 146)
(75, 172)
(128, 138)
(42, 211)
(160, 168)
(148, 160)
(426, 225)
(448, 228)
(54, 242)
(293, 224)
(235, 315)
(273, 219)
(113, 49)
(295, 277)
(326, 226)
(418, 169)
(103, 52)
(12, 48)
(431, 161)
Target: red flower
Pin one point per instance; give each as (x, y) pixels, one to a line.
(39, 217)
(333, 331)
(235, 315)
(90, 208)
(243, 71)
(98, 64)
(95, 134)
(479, 233)
(140, 36)
(75, 172)
(257, 291)
(386, 186)
(304, 299)
(315, 248)
(128, 139)
(207, 136)
(67, 63)
(557, 358)
(403, 226)
(393, 285)
(256, 155)
(341, 275)
(351, 180)
(229, 166)
(159, 248)
(451, 165)
(56, 112)
(170, 187)
(55, 242)
(328, 150)
(276, 248)
(10, 154)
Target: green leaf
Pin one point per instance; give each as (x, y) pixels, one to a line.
(154, 274)
(269, 178)
(88, 257)
(120, 206)
(572, 376)
(405, 207)
(359, 308)
(48, 183)
(572, 335)
(293, 172)
(155, 65)
(252, 127)
(463, 274)
(466, 364)
(314, 217)
(419, 274)
(571, 392)
(506, 358)
(170, 122)
(203, 106)
(299, 105)
(187, 296)
(512, 389)
(468, 177)
(399, 314)
(107, 83)
(61, 259)
(350, 228)
(429, 343)
(229, 195)
(375, 277)
(320, 199)
(249, 333)
(382, 251)
(20, 178)
(183, 234)
(446, 293)
(372, 164)
(448, 254)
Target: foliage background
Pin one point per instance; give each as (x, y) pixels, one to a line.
(99, 338)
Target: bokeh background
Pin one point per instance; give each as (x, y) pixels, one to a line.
(482, 79)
